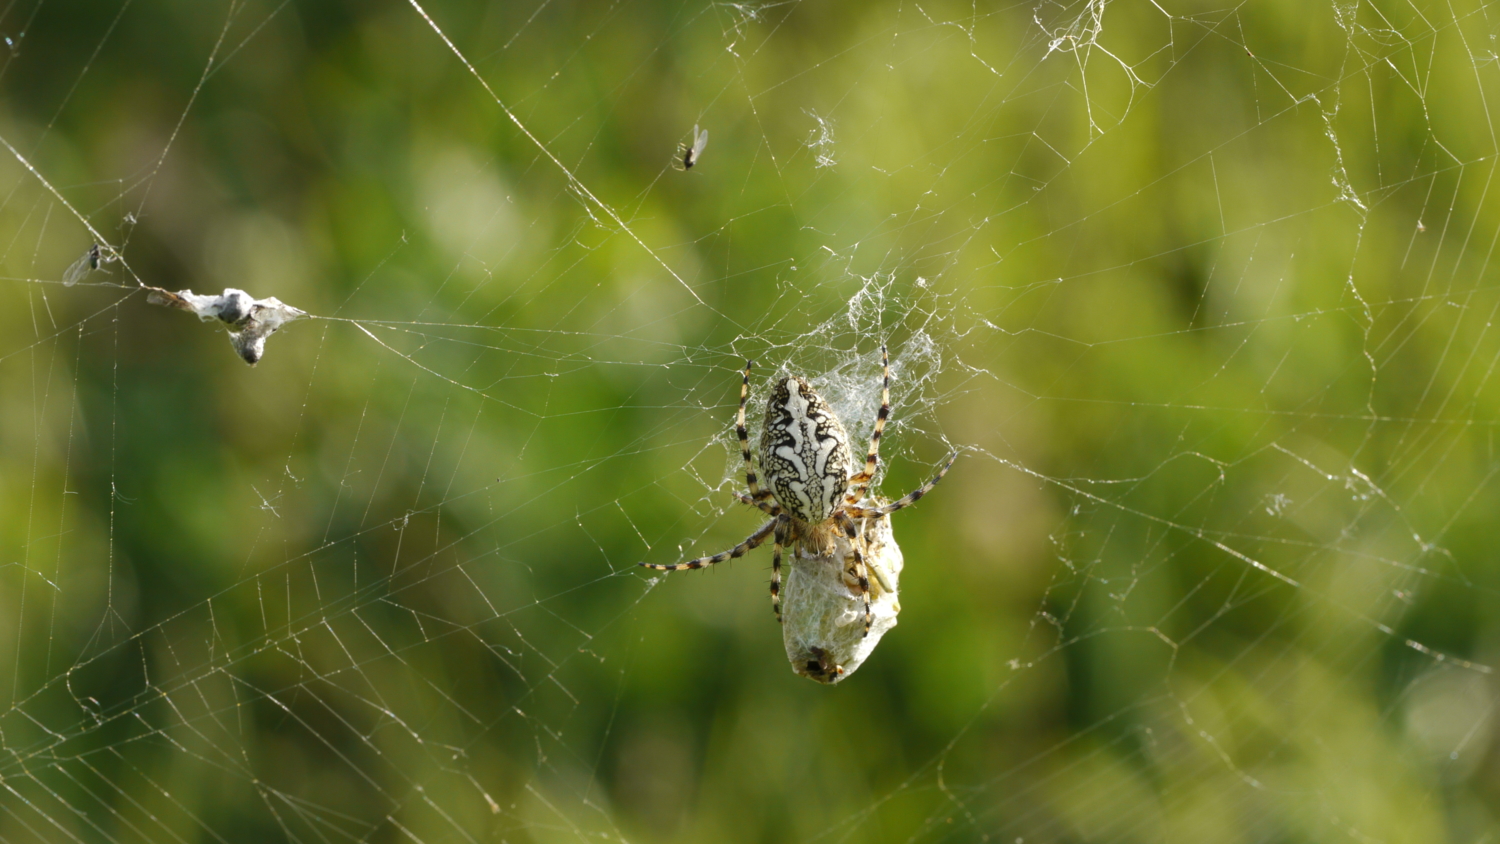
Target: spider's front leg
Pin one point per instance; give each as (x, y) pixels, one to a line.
(750, 543)
(861, 570)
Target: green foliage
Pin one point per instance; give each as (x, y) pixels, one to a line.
(1205, 296)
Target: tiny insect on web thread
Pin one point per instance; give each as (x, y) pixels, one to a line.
(691, 154)
(93, 259)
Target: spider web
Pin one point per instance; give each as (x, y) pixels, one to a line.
(1204, 298)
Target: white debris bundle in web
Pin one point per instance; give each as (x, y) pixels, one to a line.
(250, 321)
(822, 610)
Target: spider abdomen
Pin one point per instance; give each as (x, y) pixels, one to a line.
(804, 452)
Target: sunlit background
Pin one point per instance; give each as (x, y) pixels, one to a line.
(1203, 295)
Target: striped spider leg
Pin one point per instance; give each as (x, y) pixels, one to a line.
(861, 482)
(904, 501)
(773, 529)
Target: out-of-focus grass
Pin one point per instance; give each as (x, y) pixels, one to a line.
(1215, 565)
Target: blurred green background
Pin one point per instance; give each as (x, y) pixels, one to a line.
(1204, 294)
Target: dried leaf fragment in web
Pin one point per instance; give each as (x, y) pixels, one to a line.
(822, 610)
(250, 321)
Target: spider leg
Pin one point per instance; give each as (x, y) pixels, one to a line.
(861, 571)
(782, 539)
(860, 482)
(906, 500)
(739, 429)
(771, 508)
(754, 540)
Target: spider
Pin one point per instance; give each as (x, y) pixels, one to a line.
(805, 457)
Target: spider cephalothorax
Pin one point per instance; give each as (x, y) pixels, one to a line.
(805, 460)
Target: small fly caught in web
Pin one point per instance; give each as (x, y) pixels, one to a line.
(690, 154)
(96, 257)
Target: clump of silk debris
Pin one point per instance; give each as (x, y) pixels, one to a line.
(249, 321)
(92, 261)
(822, 610)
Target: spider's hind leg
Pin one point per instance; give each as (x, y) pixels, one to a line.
(766, 504)
(757, 494)
(860, 482)
(904, 501)
(782, 538)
